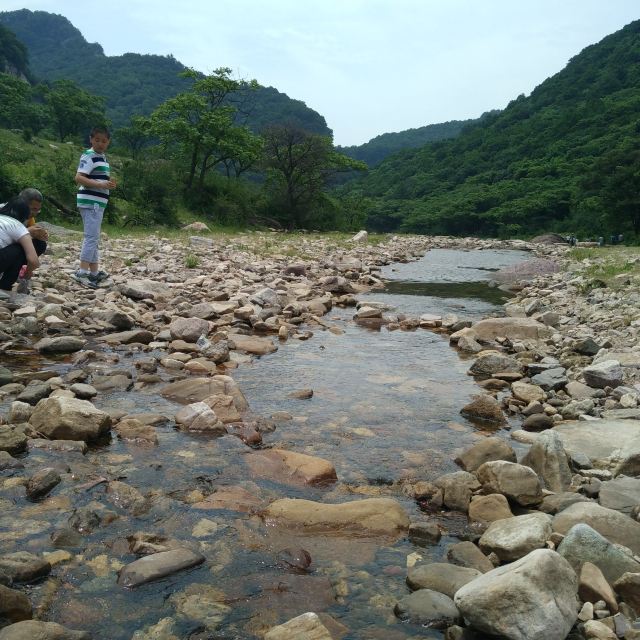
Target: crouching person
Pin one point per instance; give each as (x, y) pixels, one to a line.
(16, 244)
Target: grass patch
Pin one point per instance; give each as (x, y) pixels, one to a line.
(191, 261)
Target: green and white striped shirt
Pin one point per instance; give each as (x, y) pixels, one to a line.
(95, 166)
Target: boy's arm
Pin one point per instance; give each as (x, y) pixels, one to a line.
(84, 180)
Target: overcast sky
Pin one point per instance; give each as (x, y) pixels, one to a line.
(368, 66)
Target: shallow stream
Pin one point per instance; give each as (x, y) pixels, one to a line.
(385, 408)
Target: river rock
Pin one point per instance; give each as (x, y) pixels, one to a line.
(621, 494)
(224, 407)
(556, 502)
(69, 419)
(188, 329)
(583, 544)
(12, 439)
(42, 482)
(533, 598)
(307, 626)
(61, 344)
(466, 554)
(36, 630)
(282, 465)
(489, 508)
(457, 488)
(199, 389)
(8, 462)
(613, 525)
(14, 605)
(371, 516)
(512, 328)
(489, 362)
(627, 586)
(22, 566)
(144, 289)
(6, 377)
(537, 422)
(551, 379)
(199, 417)
(133, 430)
(607, 373)
(254, 345)
(485, 450)
(19, 412)
(141, 336)
(527, 392)
(593, 587)
(440, 576)
(517, 482)
(126, 497)
(579, 390)
(548, 459)
(484, 408)
(515, 537)
(34, 392)
(158, 565)
(232, 498)
(428, 608)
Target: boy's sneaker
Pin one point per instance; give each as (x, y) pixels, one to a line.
(99, 277)
(23, 285)
(84, 279)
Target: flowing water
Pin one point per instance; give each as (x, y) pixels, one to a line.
(385, 409)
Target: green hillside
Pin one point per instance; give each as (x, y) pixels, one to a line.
(382, 146)
(14, 59)
(566, 158)
(133, 84)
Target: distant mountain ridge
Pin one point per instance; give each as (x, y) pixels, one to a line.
(132, 84)
(382, 146)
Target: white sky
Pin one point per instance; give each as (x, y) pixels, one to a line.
(368, 66)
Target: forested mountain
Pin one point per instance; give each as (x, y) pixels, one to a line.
(378, 148)
(14, 59)
(133, 84)
(565, 158)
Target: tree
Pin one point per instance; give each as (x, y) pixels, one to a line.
(18, 109)
(73, 110)
(135, 137)
(300, 164)
(199, 123)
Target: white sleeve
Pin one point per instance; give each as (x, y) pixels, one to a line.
(17, 231)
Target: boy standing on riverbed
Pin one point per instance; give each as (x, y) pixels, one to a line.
(94, 180)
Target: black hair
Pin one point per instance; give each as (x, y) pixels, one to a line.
(17, 208)
(100, 129)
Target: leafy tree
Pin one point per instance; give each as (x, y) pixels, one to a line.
(300, 164)
(18, 109)
(135, 137)
(199, 125)
(14, 58)
(73, 110)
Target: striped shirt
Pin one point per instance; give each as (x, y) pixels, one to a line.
(10, 231)
(95, 166)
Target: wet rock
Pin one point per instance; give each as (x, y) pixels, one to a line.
(22, 566)
(63, 538)
(158, 565)
(12, 439)
(307, 626)
(295, 558)
(67, 446)
(36, 630)
(83, 391)
(593, 587)
(42, 482)
(533, 598)
(371, 516)
(441, 577)
(466, 554)
(457, 489)
(491, 362)
(427, 608)
(224, 407)
(483, 451)
(61, 344)
(484, 408)
(301, 394)
(537, 422)
(515, 537)
(19, 412)
(126, 497)
(551, 379)
(283, 466)
(6, 377)
(607, 373)
(133, 336)
(199, 417)
(253, 345)
(489, 508)
(613, 525)
(424, 533)
(199, 389)
(233, 498)
(34, 392)
(245, 432)
(517, 482)
(133, 430)
(627, 586)
(8, 462)
(14, 605)
(69, 419)
(548, 459)
(584, 544)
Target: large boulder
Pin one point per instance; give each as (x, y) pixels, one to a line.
(515, 537)
(583, 544)
(611, 524)
(485, 450)
(371, 516)
(548, 459)
(512, 328)
(533, 598)
(60, 418)
(516, 481)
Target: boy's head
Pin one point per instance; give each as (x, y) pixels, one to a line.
(100, 139)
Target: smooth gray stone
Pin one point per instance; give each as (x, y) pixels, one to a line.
(621, 494)
(158, 565)
(428, 608)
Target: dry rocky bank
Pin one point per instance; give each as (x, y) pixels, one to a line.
(555, 544)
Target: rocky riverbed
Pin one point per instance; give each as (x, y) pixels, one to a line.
(135, 473)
